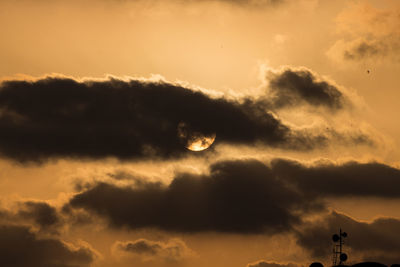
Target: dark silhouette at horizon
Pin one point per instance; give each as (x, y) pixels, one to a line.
(338, 254)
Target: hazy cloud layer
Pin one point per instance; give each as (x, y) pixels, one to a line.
(263, 263)
(375, 241)
(247, 2)
(20, 248)
(243, 196)
(257, 3)
(365, 49)
(372, 32)
(174, 250)
(237, 196)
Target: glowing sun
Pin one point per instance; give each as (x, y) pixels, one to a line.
(193, 140)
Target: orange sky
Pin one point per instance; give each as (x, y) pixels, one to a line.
(228, 50)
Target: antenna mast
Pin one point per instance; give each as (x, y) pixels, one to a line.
(338, 239)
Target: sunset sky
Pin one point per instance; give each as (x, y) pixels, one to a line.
(293, 106)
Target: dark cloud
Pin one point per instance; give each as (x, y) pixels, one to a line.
(40, 214)
(236, 196)
(375, 241)
(20, 248)
(141, 246)
(147, 250)
(244, 196)
(263, 263)
(349, 179)
(295, 87)
(61, 117)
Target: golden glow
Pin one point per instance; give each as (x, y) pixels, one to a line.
(201, 143)
(194, 140)
(221, 46)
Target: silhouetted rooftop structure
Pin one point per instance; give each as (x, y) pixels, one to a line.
(369, 264)
(338, 254)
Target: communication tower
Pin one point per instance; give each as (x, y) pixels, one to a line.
(339, 257)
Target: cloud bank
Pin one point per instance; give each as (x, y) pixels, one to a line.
(58, 117)
(20, 248)
(61, 117)
(238, 196)
(345, 180)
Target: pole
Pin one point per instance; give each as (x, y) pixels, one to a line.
(340, 246)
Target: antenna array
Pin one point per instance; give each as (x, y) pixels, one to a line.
(338, 256)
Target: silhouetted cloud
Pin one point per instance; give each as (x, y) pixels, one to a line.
(147, 250)
(42, 213)
(138, 119)
(243, 196)
(20, 248)
(378, 240)
(61, 117)
(292, 87)
(344, 180)
(37, 213)
(236, 196)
